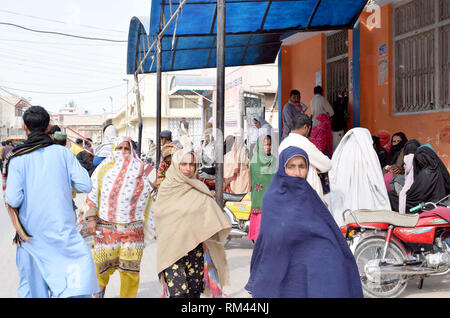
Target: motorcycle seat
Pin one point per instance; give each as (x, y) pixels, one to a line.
(231, 197)
(383, 216)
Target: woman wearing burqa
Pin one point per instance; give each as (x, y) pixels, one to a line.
(431, 179)
(394, 160)
(356, 180)
(300, 251)
(398, 199)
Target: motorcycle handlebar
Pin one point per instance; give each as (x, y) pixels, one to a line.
(422, 205)
(418, 207)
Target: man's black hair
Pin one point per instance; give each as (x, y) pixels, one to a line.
(54, 129)
(294, 92)
(301, 120)
(61, 142)
(36, 118)
(79, 141)
(3, 143)
(318, 90)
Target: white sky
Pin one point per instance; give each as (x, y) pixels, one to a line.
(49, 63)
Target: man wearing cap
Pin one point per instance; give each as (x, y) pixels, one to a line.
(52, 131)
(166, 137)
(60, 138)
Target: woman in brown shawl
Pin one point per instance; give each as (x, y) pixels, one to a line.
(191, 230)
(237, 167)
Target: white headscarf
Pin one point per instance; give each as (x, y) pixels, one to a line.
(105, 148)
(409, 180)
(266, 128)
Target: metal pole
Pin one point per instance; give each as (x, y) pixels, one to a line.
(220, 103)
(126, 111)
(158, 100)
(138, 102)
(160, 34)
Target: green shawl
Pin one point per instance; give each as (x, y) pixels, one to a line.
(262, 169)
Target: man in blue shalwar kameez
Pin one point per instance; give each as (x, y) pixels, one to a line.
(53, 260)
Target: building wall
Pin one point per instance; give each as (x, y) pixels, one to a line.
(10, 119)
(377, 101)
(300, 62)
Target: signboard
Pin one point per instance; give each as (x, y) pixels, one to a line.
(383, 71)
(231, 112)
(382, 50)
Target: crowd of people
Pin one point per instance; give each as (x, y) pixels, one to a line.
(299, 189)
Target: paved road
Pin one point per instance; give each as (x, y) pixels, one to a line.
(238, 252)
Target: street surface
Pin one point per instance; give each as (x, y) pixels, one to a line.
(239, 253)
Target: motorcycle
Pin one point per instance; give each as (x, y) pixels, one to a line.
(237, 206)
(237, 210)
(391, 249)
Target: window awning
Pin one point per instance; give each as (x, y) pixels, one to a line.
(191, 85)
(253, 33)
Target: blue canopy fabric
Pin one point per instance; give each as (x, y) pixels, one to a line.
(254, 30)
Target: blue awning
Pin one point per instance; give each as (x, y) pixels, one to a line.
(253, 33)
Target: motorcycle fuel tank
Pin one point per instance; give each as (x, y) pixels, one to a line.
(423, 235)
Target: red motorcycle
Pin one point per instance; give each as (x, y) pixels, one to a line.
(392, 248)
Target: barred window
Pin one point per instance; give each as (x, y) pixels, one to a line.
(421, 48)
(337, 44)
(192, 102)
(184, 102)
(337, 64)
(176, 103)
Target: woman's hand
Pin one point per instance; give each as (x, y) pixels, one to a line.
(92, 225)
(395, 170)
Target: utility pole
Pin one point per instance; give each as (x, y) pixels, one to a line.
(111, 104)
(158, 99)
(220, 112)
(126, 111)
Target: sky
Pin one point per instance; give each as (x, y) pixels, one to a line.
(52, 70)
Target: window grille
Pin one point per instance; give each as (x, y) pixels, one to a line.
(414, 15)
(337, 44)
(444, 10)
(421, 65)
(195, 129)
(415, 73)
(192, 102)
(176, 103)
(337, 78)
(444, 33)
(337, 64)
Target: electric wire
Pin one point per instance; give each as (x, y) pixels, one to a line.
(57, 21)
(62, 93)
(61, 33)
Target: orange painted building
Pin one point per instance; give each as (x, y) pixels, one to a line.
(398, 70)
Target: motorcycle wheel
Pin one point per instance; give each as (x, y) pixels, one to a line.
(387, 286)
